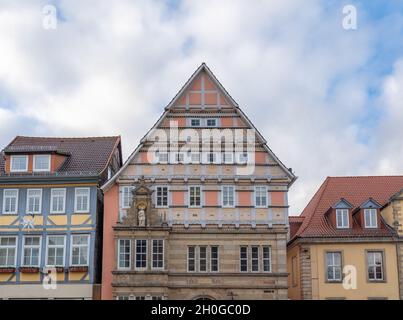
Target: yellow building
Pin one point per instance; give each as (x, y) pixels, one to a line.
(344, 244)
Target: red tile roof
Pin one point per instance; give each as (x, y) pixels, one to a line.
(85, 156)
(355, 190)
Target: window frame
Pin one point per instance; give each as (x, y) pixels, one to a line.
(194, 258)
(333, 266)
(225, 161)
(118, 267)
(31, 247)
(194, 126)
(269, 259)
(338, 226)
(383, 268)
(142, 253)
(4, 201)
(200, 259)
(12, 169)
(156, 197)
(254, 259)
(215, 122)
(217, 259)
(72, 245)
(64, 200)
(152, 254)
(48, 156)
(233, 205)
(88, 209)
(57, 246)
(243, 259)
(200, 197)
(375, 218)
(122, 196)
(40, 201)
(10, 247)
(266, 197)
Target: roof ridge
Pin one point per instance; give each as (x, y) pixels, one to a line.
(72, 138)
(365, 176)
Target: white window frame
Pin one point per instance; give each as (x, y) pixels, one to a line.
(86, 210)
(370, 224)
(194, 157)
(344, 214)
(199, 258)
(72, 245)
(135, 254)
(165, 161)
(122, 196)
(40, 201)
(31, 247)
(52, 200)
(242, 159)
(225, 160)
(19, 170)
(242, 259)
(252, 259)
(156, 197)
(269, 258)
(57, 246)
(10, 247)
(371, 264)
(265, 192)
(223, 187)
(194, 258)
(152, 254)
(4, 201)
(334, 266)
(211, 258)
(34, 163)
(215, 122)
(201, 194)
(130, 255)
(197, 119)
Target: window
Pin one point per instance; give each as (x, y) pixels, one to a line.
(8, 248)
(266, 259)
(34, 200)
(19, 164)
(375, 265)
(228, 196)
(55, 251)
(31, 251)
(195, 122)
(333, 266)
(163, 157)
(162, 197)
(342, 218)
(141, 254)
(243, 259)
(194, 196)
(228, 157)
(41, 162)
(124, 254)
(370, 218)
(211, 122)
(179, 158)
(260, 196)
(214, 258)
(243, 158)
(110, 173)
(211, 157)
(82, 200)
(195, 157)
(203, 259)
(10, 201)
(57, 200)
(158, 254)
(126, 196)
(255, 258)
(191, 258)
(79, 250)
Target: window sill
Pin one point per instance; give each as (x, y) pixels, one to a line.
(27, 269)
(7, 269)
(78, 269)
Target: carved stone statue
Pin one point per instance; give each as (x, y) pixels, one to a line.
(141, 215)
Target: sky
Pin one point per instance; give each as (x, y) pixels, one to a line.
(328, 100)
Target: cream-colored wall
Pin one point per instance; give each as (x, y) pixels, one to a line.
(294, 291)
(354, 254)
(388, 214)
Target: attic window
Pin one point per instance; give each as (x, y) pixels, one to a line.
(342, 220)
(370, 218)
(19, 164)
(42, 162)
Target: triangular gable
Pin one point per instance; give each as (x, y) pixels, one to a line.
(342, 204)
(370, 203)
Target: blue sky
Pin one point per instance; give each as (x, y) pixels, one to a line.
(328, 100)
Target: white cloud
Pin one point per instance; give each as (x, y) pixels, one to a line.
(110, 68)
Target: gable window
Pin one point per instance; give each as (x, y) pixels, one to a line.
(8, 249)
(124, 254)
(19, 164)
(195, 122)
(31, 251)
(211, 122)
(57, 200)
(370, 218)
(55, 251)
(41, 162)
(243, 259)
(10, 201)
(202, 258)
(158, 254)
(79, 250)
(375, 265)
(255, 258)
(333, 266)
(194, 196)
(228, 157)
(228, 196)
(162, 197)
(141, 254)
(191, 258)
(34, 200)
(82, 200)
(266, 259)
(214, 258)
(126, 196)
(260, 196)
(342, 219)
(163, 157)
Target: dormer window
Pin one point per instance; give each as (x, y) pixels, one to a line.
(342, 219)
(19, 164)
(370, 218)
(41, 162)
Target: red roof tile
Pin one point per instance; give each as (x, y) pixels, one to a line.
(355, 190)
